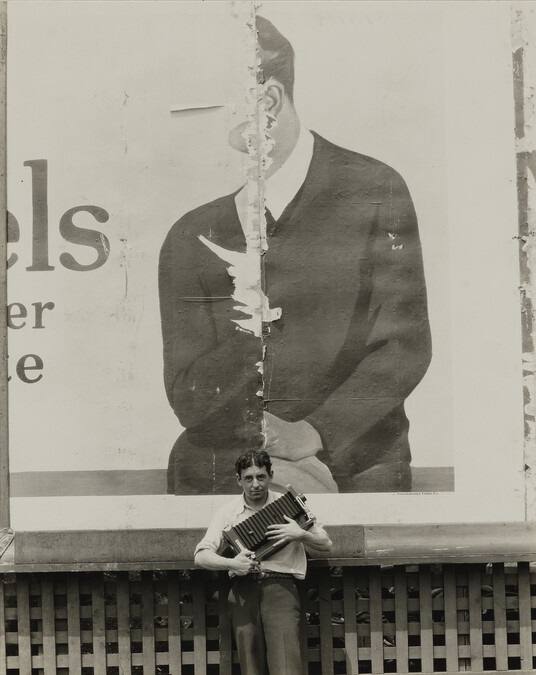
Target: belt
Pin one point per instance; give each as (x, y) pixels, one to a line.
(260, 576)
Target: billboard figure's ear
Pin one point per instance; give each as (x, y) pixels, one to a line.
(274, 94)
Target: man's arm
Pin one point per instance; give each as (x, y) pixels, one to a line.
(397, 349)
(316, 538)
(392, 342)
(205, 372)
(206, 555)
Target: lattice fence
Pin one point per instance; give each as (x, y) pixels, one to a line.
(356, 620)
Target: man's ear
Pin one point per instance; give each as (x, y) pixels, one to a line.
(274, 94)
(238, 478)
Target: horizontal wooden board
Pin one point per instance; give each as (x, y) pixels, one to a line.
(142, 546)
(106, 546)
(368, 545)
(451, 539)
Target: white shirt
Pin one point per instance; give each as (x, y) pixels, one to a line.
(290, 559)
(282, 186)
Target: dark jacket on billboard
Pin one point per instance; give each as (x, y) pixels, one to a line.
(344, 264)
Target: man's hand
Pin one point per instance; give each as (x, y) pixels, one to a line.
(244, 563)
(290, 440)
(291, 531)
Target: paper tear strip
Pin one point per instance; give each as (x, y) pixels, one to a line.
(523, 40)
(192, 107)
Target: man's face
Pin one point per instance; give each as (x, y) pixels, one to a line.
(255, 481)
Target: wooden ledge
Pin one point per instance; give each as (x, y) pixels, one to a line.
(353, 545)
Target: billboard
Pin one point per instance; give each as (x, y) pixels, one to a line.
(210, 251)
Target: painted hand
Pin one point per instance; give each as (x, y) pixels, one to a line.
(290, 440)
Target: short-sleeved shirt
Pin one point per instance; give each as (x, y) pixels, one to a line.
(290, 559)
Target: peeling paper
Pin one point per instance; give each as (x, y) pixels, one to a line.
(248, 293)
(255, 221)
(524, 59)
(183, 107)
(246, 270)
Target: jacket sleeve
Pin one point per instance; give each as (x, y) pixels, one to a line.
(397, 343)
(207, 372)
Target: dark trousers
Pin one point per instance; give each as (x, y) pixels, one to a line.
(265, 616)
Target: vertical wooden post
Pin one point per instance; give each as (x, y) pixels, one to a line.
(98, 616)
(200, 635)
(350, 625)
(174, 624)
(451, 617)
(3, 655)
(525, 626)
(462, 591)
(123, 623)
(23, 622)
(426, 622)
(475, 617)
(376, 621)
(401, 620)
(73, 624)
(48, 624)
(499, 617)
(147, 622)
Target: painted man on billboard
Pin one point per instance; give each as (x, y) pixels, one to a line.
(351, 338)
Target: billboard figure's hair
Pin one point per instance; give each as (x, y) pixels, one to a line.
(276, 55)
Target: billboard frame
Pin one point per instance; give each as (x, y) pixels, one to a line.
(77, 550)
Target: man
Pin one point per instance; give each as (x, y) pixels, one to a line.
(344, 268)
(264, 603)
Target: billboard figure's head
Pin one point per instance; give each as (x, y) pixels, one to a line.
(276, 74)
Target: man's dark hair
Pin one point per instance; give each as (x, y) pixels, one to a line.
(276, 55)
(249, 458)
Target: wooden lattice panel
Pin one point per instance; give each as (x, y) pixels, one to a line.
(356, 620)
